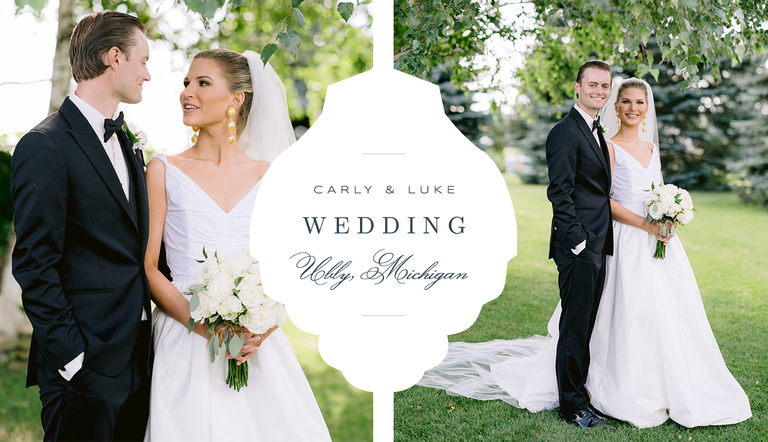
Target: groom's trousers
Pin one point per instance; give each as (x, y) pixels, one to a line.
(94, 407)
(580, 278)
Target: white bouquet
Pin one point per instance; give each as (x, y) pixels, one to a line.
(668, 205)
(228, 292)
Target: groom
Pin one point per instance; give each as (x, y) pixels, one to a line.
(81, 220)
(582, 234)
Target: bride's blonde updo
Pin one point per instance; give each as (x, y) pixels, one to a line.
(632, 83)
(235, 70)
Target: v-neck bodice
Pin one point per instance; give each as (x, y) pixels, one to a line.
(632, 181)
(193, 220)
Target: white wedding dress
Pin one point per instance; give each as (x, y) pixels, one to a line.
(653, 354)
(190, 400)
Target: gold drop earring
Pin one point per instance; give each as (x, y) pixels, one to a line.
(644, 128)
(194, 135)
(618, 120)
(231, 125)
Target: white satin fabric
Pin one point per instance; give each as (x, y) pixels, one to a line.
(190, 400)
(653, 354)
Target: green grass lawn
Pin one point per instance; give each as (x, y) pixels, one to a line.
(347, 410)
(727, 244)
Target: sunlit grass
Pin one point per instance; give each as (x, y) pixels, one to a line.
(727, 244)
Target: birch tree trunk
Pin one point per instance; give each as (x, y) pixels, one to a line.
(62, 73)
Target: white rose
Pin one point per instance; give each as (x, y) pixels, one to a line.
(655, 210)
(131, 127)
(141, 137)
(666, 200)
(251, 295)
(686, 217)
(281, 313)
(260, 321)
(203, 309)
(211, 267)
(241, 263)
(687, 203)
(230, 309)
(673, 210)
(255, 270)
(221, 288)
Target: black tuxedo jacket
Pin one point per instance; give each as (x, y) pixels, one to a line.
(80, 244)
(580, 185)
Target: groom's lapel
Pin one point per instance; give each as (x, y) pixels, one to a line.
(587, 132)
(88, 141)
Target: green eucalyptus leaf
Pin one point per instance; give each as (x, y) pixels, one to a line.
(194, 302)
(236, 344)
(191, 324)
(213, 347)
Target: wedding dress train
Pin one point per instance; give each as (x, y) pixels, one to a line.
(653, 354)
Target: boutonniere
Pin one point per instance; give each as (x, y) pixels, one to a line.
(602, 129)
(138, 139)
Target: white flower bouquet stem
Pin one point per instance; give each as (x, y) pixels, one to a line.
(668, 205)
(228, 298)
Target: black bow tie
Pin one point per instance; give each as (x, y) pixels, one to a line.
(112, 126)
(595, 124)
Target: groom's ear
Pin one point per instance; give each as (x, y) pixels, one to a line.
(112, 57)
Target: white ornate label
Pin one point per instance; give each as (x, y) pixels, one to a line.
(383, 230)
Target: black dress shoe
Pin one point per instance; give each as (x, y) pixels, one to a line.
(596, 412)
(587, 419)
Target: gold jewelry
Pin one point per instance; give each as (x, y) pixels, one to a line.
(194, 135)
(618, 120)
(644, 128)
(231, 125)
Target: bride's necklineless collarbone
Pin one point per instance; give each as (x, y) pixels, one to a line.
(637, 147)
(226, 184)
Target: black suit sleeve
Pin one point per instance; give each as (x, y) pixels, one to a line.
(39, 189)
(562, 160)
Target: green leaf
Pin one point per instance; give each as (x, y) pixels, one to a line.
(194, 303)
(296, 3)
(213, 347)
(740, 50)
(191, 324)
(206, 8)
(196, 288)
(267, 52)
(345, 10)
(291, 40)
(413, 21)
(683, 86)
(236, 344)
(299, 17)
(205, 254)
(642, 70)
(655, 73)
(238, 280)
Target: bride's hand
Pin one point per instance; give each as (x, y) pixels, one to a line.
(252, 343)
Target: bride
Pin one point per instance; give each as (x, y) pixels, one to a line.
(653, 354)
(204, 197)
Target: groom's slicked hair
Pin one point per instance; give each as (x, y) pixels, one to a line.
(94, 36)
(594, 64)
